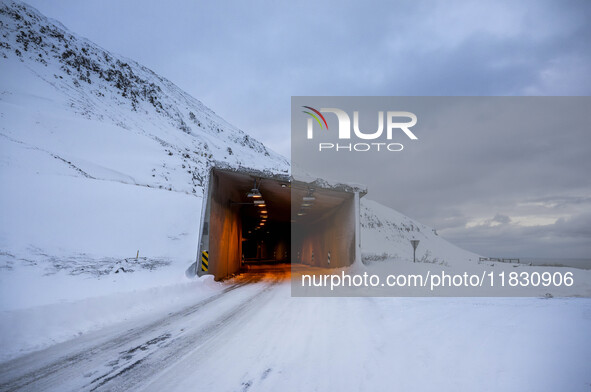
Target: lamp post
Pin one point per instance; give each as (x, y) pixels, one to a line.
(414, 244)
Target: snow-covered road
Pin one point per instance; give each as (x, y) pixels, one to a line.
(252, 335)
(124, 356)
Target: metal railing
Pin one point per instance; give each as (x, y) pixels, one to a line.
(498, 259)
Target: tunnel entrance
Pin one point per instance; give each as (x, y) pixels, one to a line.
(252, 218)
(264, 213)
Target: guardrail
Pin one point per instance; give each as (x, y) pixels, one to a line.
(500, 260)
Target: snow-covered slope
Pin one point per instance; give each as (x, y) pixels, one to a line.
(386, 234)
(99, 158)
(54, 74)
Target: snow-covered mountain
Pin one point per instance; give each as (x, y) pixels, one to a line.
(54, 69)
(101, 158)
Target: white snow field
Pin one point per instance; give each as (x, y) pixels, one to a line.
(249, 334)
(100, 157)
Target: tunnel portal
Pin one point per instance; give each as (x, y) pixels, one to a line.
(253, 218)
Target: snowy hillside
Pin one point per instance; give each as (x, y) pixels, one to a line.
(100, 157)
(386, 234)
(55, 73)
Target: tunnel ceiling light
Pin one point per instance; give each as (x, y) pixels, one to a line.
(262, 205)
(308, 198)
(263, 211)
(307, 204)
(301, 213)
(255, 193)
(259, 202)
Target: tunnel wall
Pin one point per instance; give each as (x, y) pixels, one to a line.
(225, 231)
(335, 233)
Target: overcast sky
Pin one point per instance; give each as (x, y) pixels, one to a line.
(246, 59)
(506, 176)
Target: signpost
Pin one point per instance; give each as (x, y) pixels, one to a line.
(414, 244)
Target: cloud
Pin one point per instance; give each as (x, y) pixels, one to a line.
(563, 239)
(555, 202)
(500, 219)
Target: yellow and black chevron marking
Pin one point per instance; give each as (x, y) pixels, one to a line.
(204, 260)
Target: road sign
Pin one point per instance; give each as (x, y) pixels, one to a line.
(414, 244)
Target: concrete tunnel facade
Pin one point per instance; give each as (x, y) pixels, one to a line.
(290, 221)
